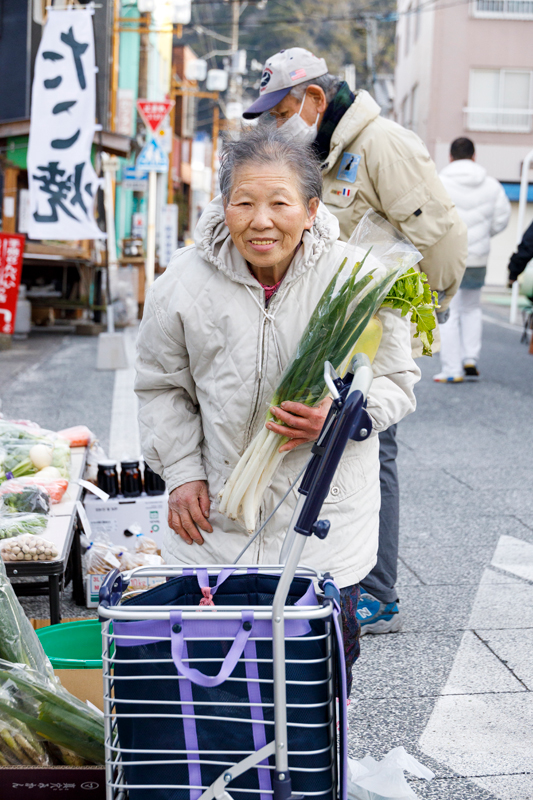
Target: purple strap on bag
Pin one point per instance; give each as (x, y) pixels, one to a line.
(190, 734)
(177, 644)
(256, 712)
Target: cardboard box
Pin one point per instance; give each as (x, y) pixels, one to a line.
(69, 783)
(114, 517)
(45, 783)
(93, 583)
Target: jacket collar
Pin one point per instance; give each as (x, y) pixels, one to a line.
(214, 244)
(363, 110)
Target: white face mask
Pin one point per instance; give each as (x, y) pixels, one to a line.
(297, 128)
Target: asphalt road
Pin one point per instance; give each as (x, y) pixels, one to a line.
(454, 687)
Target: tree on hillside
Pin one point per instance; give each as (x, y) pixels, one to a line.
(332, 30)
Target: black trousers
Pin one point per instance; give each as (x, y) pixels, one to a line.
(381, 582)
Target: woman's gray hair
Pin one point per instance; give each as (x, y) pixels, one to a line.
(329, 83)
(266, 145)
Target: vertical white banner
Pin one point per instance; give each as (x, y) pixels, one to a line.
(62, 181)
(169, 234)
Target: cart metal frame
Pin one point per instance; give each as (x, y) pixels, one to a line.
(347, 420)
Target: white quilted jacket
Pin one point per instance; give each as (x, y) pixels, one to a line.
(481, 202)
(207, 366)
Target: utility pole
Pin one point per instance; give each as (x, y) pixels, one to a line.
(371, 26)
(235, 17)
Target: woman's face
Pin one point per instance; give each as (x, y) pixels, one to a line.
(266, 215)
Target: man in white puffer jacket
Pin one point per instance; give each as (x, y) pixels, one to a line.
(483, 205)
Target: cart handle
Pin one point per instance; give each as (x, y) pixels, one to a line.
(111, 590)
(228, 665)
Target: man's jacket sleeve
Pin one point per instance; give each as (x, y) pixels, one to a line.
(169, 418)
(523, 255)
(414, 199)
(391, 396)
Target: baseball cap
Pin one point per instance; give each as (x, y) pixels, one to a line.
(282, 71)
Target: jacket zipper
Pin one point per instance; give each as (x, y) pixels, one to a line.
(248, 437)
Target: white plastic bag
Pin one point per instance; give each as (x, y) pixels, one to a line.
(369, 779)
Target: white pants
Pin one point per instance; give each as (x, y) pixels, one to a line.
(461, 333)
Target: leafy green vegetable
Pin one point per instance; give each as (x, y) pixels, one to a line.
(18, 641)
(49, 710)
(412, 295)
(32, 499)
(15, 524)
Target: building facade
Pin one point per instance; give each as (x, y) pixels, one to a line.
(467, 70)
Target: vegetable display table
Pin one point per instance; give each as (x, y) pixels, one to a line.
(63, 530)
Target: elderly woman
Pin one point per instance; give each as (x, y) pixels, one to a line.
(218, 329)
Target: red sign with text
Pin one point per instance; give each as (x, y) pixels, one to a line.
(154, 112)
(11, 250)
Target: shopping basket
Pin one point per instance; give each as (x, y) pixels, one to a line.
(221, 682)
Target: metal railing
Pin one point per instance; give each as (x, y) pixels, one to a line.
(503, 9)
(509, 120)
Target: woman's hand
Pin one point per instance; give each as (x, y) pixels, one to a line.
(188, 510)
(302, 423)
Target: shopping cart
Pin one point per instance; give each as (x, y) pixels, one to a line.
(235, 700)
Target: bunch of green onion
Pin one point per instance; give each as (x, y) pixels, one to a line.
(339, 319)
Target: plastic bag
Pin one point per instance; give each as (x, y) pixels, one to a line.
(347, 306)
(18, 640)
(41, 703)
(28, 547)
(18, 498)
(144, 544)
(15, 524)
(55, 489)
(19, 745)
(77, 436)
(95, 454)
(369, 779)
(130, 560)
(28, 456)
(100, 558)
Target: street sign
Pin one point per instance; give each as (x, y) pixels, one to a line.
(134, 180)
(152, 158)
(154, 112)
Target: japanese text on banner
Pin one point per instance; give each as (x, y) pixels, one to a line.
(11, 250)
(62, 180)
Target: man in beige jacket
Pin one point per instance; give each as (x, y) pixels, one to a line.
(369, 162)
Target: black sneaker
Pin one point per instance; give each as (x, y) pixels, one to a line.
(470, 369)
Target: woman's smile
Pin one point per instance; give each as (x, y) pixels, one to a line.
(262, 245)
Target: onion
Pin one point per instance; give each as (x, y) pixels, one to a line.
(49, 473)
(41, 456)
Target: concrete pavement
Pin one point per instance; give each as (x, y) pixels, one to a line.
(455, 686)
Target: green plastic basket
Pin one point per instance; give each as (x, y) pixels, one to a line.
(73, 645)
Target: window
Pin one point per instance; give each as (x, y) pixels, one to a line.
(503, 9)
(499, 100)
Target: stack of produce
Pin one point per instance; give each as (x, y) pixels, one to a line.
(28, 547)
(40, 722)
(34, 471)
(28, 451)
